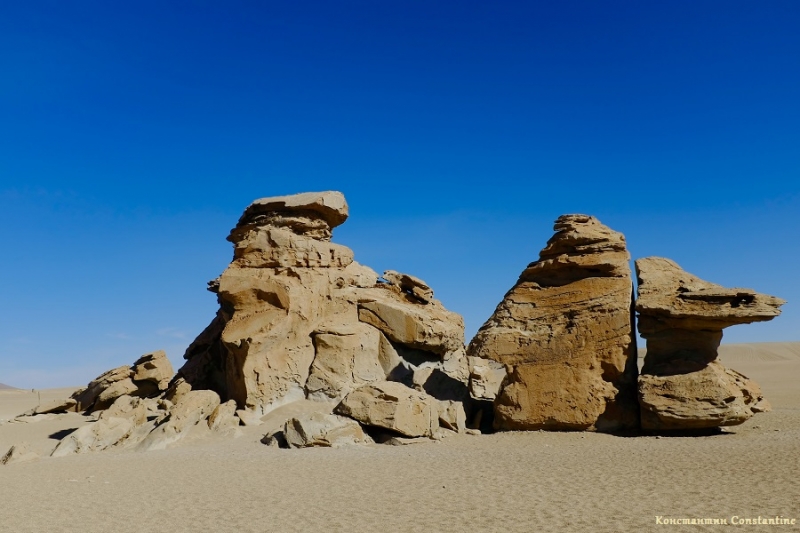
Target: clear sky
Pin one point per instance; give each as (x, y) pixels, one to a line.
(134, 134)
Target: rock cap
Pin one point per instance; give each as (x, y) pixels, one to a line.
(331, 206)
(671, 294)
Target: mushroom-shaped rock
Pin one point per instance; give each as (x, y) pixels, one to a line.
(299, 318)
(564, 331)
(313, 214)
(682, 317)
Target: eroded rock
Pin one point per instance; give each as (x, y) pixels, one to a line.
(682, 318)
(393, 406)
(564, 331)
(318, 429)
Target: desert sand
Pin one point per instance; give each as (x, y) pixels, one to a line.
(515, 481)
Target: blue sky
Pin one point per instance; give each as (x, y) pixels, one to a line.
(134, 136)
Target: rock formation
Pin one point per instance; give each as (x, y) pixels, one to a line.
(148, 377)
(564, 333)
(366, 359)
(682, 385)
(300, 318)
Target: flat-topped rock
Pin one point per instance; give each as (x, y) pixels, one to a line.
(682, 317)
(674, 298)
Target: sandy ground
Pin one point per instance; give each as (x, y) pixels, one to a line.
(505, 482)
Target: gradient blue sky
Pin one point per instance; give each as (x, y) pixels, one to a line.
(134, 135)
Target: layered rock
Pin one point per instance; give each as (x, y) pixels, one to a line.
(682, 386)
(147, 377)
(393, 406)
(299, 318)
(564, 333)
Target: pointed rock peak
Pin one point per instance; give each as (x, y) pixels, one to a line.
(668, 291)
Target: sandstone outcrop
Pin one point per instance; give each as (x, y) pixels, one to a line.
(191, 409)
(682, 386)
(113, 426)
(148, 377)
(299, 318)
(564, 333)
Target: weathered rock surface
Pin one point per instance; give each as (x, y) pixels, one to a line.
(299, 318)
(564, 330)
(346, 357)
(190, 410)
(682, 318)
(399, 316)
(113, 426)
(393, 406)
(318, 429)
(224, 417)
(148, 377)
(155, 368)
(711, 397)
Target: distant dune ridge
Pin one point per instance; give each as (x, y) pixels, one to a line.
(3, 386)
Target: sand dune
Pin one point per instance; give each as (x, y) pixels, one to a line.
(3, 386)
(527, 481)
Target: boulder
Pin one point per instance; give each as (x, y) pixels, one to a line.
(452, 415)
(485, 378)
(149, 376)
(682, 386)
(224, 417)
(155, 368)
(113, 391)
(403, 319)
(682, 316)
(113, 426)
(345, 358)
(711, 397)
(393, 406)
(564, 333)
(320, 429)
(191, 409)
(56, 406)
(85, 398)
